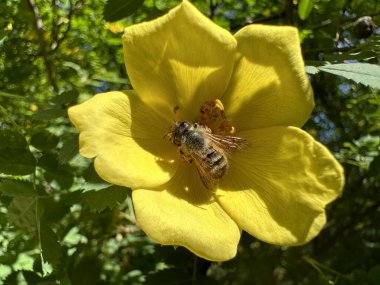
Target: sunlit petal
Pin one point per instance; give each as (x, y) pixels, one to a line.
(179, 60)
(277, 189)
(269, 86)
(126, 139)
(184, 213)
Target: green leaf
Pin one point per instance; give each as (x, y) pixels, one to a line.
(49, 114)
(22, 212)
(304, 8)
(51, 249)
(15, 156)
(105, 198)
(375, 166)
(311, 69)
(69, 149)
(4, 271)
(11, 278)
(67, 98)
(17, 189)
(364, 73)
(119, 9)
(55, 172)
(52, 210)
(44, 140)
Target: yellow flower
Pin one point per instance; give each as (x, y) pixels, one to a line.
(276, 189)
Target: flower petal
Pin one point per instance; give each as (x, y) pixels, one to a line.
(269, 86)
(184, 213)
(277, 189)
(181, 59)
(126, 138)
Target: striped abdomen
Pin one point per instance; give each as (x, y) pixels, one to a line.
(216, 162)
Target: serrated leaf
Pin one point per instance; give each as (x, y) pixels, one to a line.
(51, 249)
(311, 69)
(4, 271)
(105, 198)
(119, 9)
(15, 156)
(22, 212)
(17, 189)
(304, 8)
(364, 73)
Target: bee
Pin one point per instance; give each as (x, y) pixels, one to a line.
(208, 151)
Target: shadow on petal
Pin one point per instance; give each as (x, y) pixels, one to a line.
(188, 60)
(147, 130)
(182, 212)
(188, 186)
(269, 59)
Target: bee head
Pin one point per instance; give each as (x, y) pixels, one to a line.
(177, 131)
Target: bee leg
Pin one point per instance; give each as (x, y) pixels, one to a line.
(185, 157)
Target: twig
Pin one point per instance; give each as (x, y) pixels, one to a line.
(321, 24)
(58, 41)
(13, 96)
(39, 29)
(317, 265)
(332, 49)
(213, 8)
(289, 12)
(258, 21)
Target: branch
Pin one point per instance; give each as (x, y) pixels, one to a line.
(39, 29)
(261, 20)
(55, 44)
(213, 7)
(289, 12)
(332, 49)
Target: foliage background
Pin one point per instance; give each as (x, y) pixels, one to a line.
(61, 224)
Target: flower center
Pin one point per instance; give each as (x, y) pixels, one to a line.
(212, 115)
(194, 137)
(207, 142)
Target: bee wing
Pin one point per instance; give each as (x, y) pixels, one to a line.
(228, 144)
(204, 172)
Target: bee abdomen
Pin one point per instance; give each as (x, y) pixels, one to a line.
(217, 162)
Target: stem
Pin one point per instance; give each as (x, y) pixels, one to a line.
(213, 8)
(317, 265)
(9, 95)
(289, 12)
